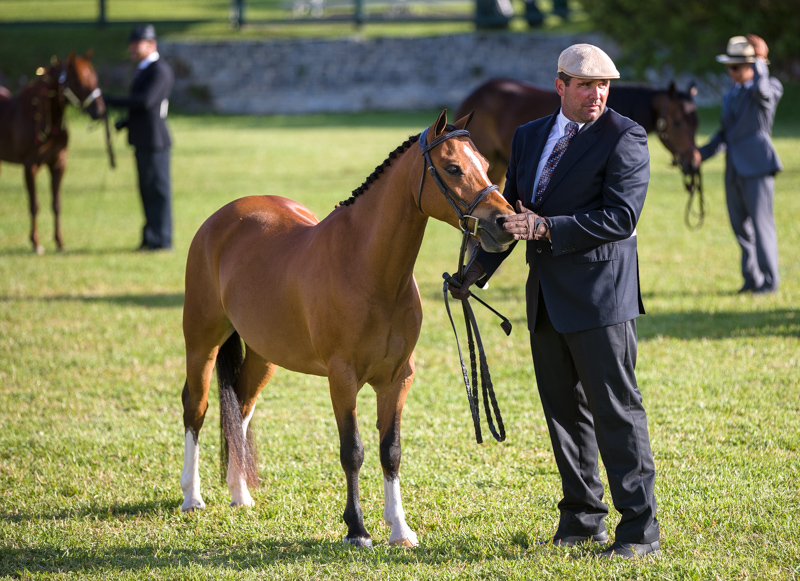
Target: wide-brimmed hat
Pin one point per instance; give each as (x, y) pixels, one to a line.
(739, 51)
(586, 61)
(142, 32)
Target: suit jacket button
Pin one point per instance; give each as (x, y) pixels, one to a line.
(538, 250)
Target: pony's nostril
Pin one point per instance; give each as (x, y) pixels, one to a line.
(500, 221)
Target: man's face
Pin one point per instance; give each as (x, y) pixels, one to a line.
(740, 73)
(139, 49)
(583, 100)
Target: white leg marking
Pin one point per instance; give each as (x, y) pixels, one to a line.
(240, 495)
(395, 517)
(190, 479)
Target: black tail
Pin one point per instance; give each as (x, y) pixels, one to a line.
(233, 442)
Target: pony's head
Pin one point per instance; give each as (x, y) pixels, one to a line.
(78, 81)
(455, 188)
(677, 125)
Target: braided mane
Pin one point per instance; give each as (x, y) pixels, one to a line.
(379, 170)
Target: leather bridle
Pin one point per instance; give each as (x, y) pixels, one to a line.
(477, 361)
(452, 198)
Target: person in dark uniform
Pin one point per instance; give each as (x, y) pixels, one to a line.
(578, 180)
(146, 122)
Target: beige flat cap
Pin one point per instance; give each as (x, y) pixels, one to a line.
(739, 51)
(586, 61)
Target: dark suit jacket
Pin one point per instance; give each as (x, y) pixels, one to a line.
(147, 105)
(746, 127)
(590, 276)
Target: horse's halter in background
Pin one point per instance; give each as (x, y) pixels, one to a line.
(693, 182)
(71, 96)
(451, 197)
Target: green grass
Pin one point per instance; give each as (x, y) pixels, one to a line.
(91, 369)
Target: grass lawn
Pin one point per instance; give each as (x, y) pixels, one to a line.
(91, 370)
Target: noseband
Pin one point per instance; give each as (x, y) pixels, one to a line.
(71, 96)
(451, 197)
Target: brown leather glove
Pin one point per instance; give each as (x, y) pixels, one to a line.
(474, 272)
(526, 225)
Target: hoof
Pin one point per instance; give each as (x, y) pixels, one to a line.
(404, 543)
(193, 506)
(38, 249)
(236, 504)
(360, 542)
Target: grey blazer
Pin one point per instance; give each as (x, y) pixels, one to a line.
(746, 127)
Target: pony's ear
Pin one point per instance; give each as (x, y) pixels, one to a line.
(89, 54)
(671, 90)
(463, 123)
(440, 124)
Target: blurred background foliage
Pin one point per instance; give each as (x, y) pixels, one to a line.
(687, 35)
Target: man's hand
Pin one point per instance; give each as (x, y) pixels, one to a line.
(474, 272)
(759, 46)
(526, 225)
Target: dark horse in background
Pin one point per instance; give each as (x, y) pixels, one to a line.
(33, 130)
(502, 105)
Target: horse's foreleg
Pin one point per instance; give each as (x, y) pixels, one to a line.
(254, 375)
(390, 409)
(30, 184)
(56, 175)
(344, 389)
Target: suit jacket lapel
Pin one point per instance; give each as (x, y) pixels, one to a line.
(540, 138)
(579, 145)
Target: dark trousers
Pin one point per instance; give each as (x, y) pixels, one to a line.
(588, 390)
(154, 187)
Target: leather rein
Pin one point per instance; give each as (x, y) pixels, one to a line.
(473, 334)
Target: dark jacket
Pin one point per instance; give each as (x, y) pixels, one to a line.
(589, 277)
(147, 105)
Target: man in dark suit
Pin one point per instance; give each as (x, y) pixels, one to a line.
(751, 162)
(147, 107)
(578, 179)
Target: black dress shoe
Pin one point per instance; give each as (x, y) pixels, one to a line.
(631, 550)
(765, 289)
(572, 540)
(747, 288)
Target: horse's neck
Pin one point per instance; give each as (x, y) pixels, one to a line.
(384, 224)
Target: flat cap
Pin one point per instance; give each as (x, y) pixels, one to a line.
(142, 32)
(739, 51)
(586, 61)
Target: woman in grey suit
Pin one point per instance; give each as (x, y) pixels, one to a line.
(751, 162)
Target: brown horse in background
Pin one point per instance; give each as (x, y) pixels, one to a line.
(502, 105)
(335, 298)
(33, 130)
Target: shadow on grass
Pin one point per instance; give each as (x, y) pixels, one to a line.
(154, 300)
(720, 324)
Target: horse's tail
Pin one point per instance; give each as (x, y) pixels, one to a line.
(233, 442)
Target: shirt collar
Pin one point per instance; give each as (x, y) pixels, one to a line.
(148, 60)
(561, 121)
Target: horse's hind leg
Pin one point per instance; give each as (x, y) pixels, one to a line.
(390, 409)
(344, 389)
(33, 204)
(254, 375)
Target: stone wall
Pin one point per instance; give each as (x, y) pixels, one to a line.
(316, 76)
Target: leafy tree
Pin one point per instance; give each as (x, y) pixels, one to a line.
(688, 34)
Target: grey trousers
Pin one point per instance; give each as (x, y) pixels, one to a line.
(750, 208)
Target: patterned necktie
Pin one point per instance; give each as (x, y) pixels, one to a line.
(552, 161)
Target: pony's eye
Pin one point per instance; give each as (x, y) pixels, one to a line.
(453, 170)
